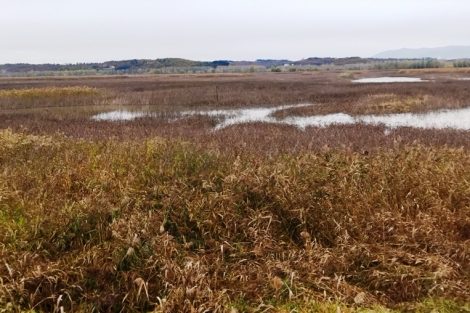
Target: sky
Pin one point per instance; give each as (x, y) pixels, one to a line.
(71, 31)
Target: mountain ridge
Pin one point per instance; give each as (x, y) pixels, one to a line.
(136, 65)
(441, 53)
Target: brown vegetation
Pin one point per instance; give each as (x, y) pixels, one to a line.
(330, 90)
(155, 215)
(156, 224)
(33, 98)
(167, 95)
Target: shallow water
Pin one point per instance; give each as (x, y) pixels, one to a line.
(119, 115)
(380, 80)
(242, 116)
(453, 119)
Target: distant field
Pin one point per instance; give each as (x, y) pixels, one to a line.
(163, 213)
(49, 112)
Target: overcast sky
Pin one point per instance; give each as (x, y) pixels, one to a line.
(70, 31)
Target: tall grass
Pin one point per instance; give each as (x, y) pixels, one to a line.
(47, 92)
(159, 215)
(47, 97)
(164, 225)
(190, 92)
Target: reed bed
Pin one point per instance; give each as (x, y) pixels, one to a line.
(164, 214)
(167, 226)
(254, 138)
(330, 90)
(47, 92)
(48, 97)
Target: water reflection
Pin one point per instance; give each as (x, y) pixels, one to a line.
(455, 119)
(119, 115)
(380, 80)
(242, 116)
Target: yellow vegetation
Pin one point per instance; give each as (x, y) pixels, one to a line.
(391, 103)
(48, 92)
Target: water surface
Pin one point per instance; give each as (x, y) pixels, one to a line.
(381, 80)
(242, 116)
(454, 119)
(119, 115)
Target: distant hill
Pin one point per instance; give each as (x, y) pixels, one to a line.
(443, 53)
(125, 66)
(332, 61)
(314, 61)
(390, 60)
(146, 65)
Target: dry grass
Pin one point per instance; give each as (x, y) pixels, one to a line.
(164, 225)
(167, 92)
(167, 95)
(254, 138)
(31, 98)
(390, 103)
(377, 104)
(47, 92)
(161, 216)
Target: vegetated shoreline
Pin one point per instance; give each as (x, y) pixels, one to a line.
(153, 215)
(330, 90)
(166, 225)
(64, 105)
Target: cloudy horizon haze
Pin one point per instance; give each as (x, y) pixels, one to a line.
(53, 31)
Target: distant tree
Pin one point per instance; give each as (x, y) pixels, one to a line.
(215, 64)
(462, 63)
